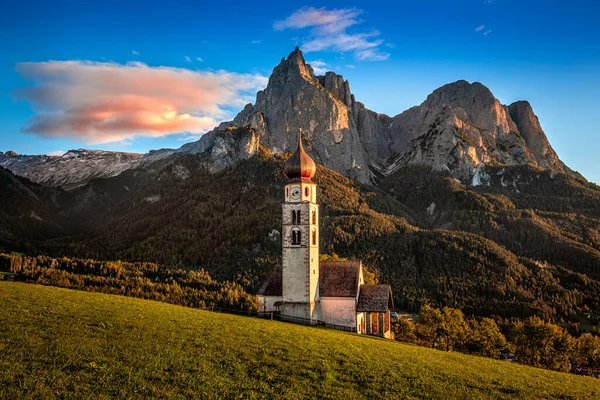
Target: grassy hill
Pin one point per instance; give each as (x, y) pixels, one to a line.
(61, 343)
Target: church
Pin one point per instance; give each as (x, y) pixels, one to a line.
(328, 293)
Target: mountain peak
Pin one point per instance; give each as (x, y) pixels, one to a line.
(292, 68)
(459, 91)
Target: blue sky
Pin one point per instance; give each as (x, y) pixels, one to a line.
(547, 52)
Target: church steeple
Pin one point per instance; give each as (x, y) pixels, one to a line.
(300, 237)
(300, 167)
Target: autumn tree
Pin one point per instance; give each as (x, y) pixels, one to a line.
(586, 353)
(486, 339)
(541, 344)
(428, 324)
(404, 330)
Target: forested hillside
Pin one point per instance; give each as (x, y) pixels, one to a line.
(526, 248)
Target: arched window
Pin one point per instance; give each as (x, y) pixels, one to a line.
(298, 219)
(306, 191)
(294, 217)
(296, 239)
(314, 237)
(314, 217)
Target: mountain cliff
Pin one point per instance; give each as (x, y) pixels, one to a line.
(460, 127)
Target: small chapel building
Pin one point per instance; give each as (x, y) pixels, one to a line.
(329, 293)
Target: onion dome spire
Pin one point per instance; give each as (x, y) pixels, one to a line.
(300, 166)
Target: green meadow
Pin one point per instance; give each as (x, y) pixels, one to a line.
(59, 343)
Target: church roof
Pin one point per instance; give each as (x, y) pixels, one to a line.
(272, 285)
(300, 166)
(339, 278)
(374, 298)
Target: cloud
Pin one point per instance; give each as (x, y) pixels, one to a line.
(372, 55)
(100, 102)
(329, 32)
(255, 42)
(135, 53)
(319, 67)
(479, 28)
(199, 59)
(487, 1)
(487, 32)
(327, 21)
(57, 153)
(188, 58)
(349, 66)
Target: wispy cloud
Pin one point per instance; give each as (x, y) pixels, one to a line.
(135, 53)
(255, 42)
(487, 1)
(108, 102)
(329, 32)
(188, 58)
(480, 28)
(199, 59)
(320, 67)
(487, 32)
(349, 66)
(57, 153)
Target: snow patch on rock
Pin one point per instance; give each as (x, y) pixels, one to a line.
(152, 199)
(480, 177)
(431, 209)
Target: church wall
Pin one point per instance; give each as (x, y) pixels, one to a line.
(297, 310)
(267, 303)
(339, 311)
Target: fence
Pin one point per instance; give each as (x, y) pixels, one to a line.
(275, 316)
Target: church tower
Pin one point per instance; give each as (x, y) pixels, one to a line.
(300, 237)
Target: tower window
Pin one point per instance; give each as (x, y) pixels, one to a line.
(306, 191)
(314, 217)
(296, 217)
(296, 237)
(314, 237)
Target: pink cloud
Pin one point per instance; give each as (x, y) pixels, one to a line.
(107, 102)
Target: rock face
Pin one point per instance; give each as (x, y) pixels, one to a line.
(460, 127)
(321, 106)
(531, 131)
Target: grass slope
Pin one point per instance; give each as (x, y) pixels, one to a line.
(61, 343)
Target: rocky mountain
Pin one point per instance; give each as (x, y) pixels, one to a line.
(460, 127)
(75, 167)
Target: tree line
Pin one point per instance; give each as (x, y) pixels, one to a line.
(181, 286)
(532, 341)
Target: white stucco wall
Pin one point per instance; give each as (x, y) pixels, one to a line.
(339, 311)
(267, 303)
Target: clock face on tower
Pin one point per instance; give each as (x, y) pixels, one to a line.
(295, 193)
